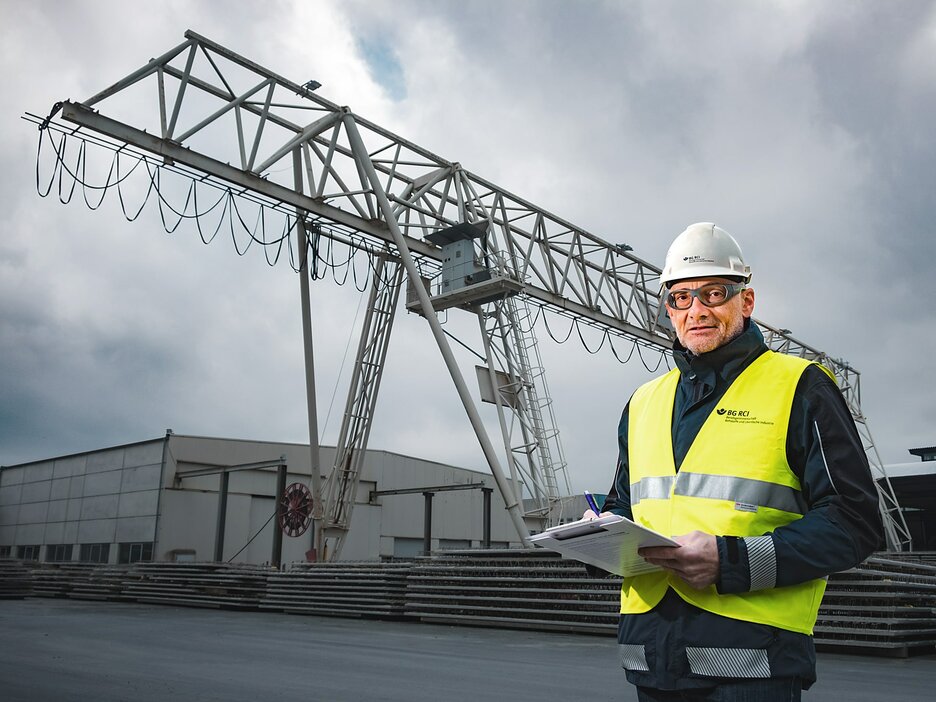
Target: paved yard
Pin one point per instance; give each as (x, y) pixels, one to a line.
(61, 650)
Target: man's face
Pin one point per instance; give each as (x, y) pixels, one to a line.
(701, 329)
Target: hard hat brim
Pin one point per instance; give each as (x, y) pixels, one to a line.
(707, 272)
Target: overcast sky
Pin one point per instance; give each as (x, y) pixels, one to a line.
(803, 128)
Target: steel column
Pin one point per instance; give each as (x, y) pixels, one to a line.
(486, 538)
(308, 354)
(427, 525)
(499, 404)
(222, 516)
(277, 558)
(341, 485)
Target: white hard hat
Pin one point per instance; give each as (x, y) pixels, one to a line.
(704, 251)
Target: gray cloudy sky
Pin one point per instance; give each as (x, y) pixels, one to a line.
(804, 128)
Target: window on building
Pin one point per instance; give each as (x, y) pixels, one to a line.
(133, 552)
(407, 548)
(58, 553)
(28, 553)
(182, 555)
(94, 553)
(6, 551)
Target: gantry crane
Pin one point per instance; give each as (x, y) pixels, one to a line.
(278, 149)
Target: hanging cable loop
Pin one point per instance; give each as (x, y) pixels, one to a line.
(224, 208)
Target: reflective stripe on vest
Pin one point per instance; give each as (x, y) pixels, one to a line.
(734, 481)
(720, 487)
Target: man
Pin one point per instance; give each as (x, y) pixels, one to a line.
(751, 460)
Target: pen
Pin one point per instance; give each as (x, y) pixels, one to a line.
(592, 505)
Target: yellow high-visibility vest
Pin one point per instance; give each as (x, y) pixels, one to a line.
(734, 481)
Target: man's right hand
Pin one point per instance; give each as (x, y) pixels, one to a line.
(590, 514)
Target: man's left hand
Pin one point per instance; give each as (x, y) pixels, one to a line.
(695, 560)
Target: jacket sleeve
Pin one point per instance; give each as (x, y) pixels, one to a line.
(618, 499)
(842, 524)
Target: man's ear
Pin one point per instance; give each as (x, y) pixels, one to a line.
(747, 302)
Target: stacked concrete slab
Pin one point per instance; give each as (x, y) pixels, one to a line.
(887, 604)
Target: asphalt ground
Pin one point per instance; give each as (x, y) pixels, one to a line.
(62, 650)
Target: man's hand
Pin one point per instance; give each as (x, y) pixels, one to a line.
(695, 560)
(590, 514)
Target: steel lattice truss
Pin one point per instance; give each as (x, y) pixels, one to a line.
(232, 124)
(362, 399)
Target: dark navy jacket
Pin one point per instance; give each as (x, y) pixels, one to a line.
(840, 529)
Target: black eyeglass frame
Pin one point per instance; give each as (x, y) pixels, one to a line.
(731, 289)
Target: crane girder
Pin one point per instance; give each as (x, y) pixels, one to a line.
(562, 267)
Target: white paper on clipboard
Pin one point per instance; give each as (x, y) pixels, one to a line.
(610, 543)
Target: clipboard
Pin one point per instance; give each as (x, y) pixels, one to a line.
(609, 543)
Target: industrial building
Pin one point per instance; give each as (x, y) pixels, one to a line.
(914, 486)
(192, 498)
(163, 500)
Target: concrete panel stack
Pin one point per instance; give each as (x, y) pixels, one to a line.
(221, 585)
(885, 604)
(15, 579)
(344, 589)
(529, 589)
